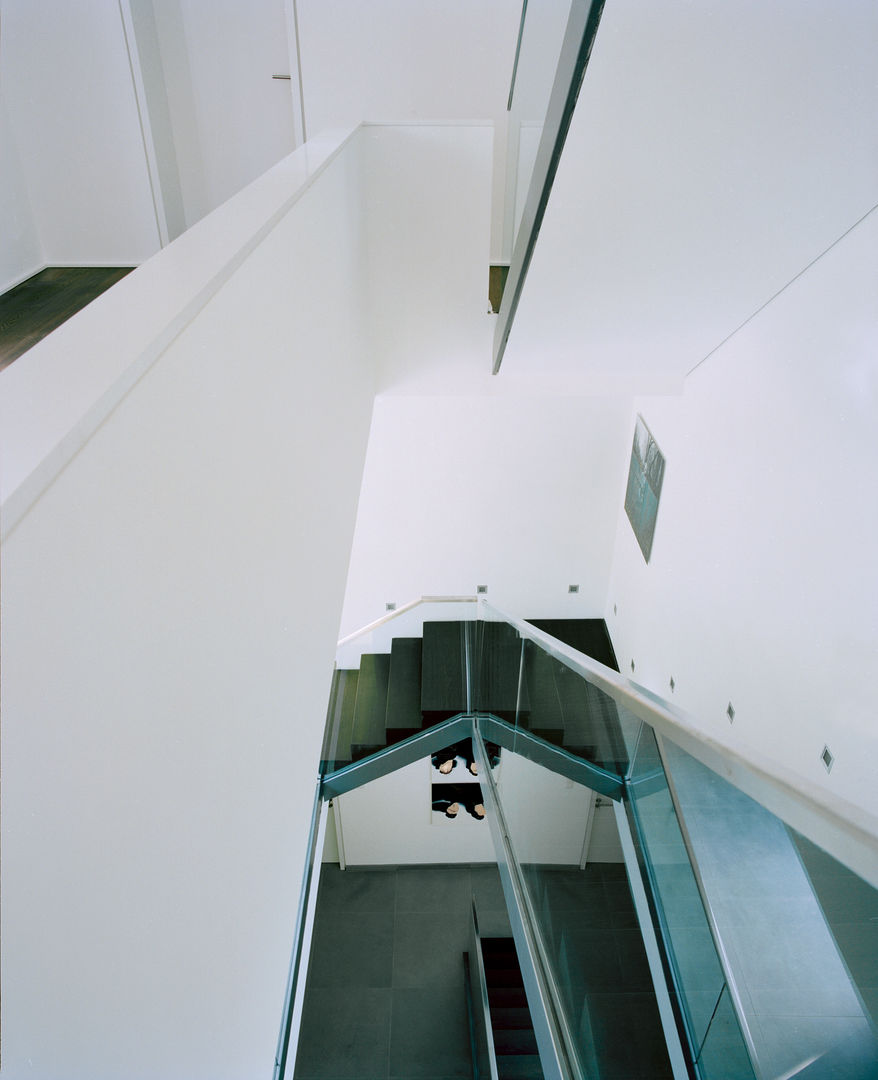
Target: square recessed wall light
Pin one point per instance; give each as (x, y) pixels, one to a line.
(672, 684)
(573, 588)
(730, 712)
(390, 606)
(827, 758)
(481, 588)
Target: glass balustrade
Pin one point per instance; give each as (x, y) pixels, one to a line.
(767, 945)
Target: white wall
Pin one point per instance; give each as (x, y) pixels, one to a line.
(715, 150)
(73, 116)
(520, 495)
(392, 60)
(390, 822)
(170, 606)
(231, 121)
(20, 253)
(547, 814)
(428, 189)
(762, 586)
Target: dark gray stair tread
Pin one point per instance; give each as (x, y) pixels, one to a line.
(504, 976)
(443, 684)
(519, 1067)
(539, 679)
(555, 736)
(515, 1041)
(498, 946)
(497, 662)
(512, 1016)
(397, 734)
(589, 636)
(340, 719)
(371, 707)
(506, 997)
(404, 688)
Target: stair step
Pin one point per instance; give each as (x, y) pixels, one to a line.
(504, 976)
(443, 673)
(404, 687)
(519, 1067)
(555, 736)
(539, 680)
(507, 997)
(589, 636)
(510, 1017)
(397, 734)
(515, 1041)
(340, 719)
(497, 663)
(371, 706)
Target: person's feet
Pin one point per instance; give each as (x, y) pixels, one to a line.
(479, 810)
(453, 810)
(446, 766)
(473, 768)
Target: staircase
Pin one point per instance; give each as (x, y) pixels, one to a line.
(423, 681)
(515, 1044)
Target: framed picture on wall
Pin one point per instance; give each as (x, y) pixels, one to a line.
(645, 475)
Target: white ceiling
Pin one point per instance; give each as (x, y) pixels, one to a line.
(716, 150)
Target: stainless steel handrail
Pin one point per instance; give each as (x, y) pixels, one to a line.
(555, 1040)
(296, 966)
(483, 994)
(846, 831)
(401, 611)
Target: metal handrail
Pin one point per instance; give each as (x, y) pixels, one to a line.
(846, 831)
(401, 611)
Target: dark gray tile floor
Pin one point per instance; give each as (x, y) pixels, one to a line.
(590, 927)
(385, 997)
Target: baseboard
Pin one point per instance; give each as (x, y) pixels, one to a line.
(23, 277)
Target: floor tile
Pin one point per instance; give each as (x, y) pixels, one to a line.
(345, 1034)
(433, 889)
(428, 950)
(486, 888)
(430, 1032)
(354, 951)
(358, 889)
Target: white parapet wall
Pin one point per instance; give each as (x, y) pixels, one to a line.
(181, 469)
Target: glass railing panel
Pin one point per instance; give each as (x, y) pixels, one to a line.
(722, 1052)
(681, 920)
(561, 706)
(406, 672)
(795, 960)
(586, 924)
(517, 680)
(539, 49)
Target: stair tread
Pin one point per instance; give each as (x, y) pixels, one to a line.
(443, 685)
(371, 705)
(506, 997)
(519, 1067)
(404, 687)
(515, 1041)
(497, 663)
(510, 1016)
(340, 718)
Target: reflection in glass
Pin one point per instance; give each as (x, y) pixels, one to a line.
(585, 920)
